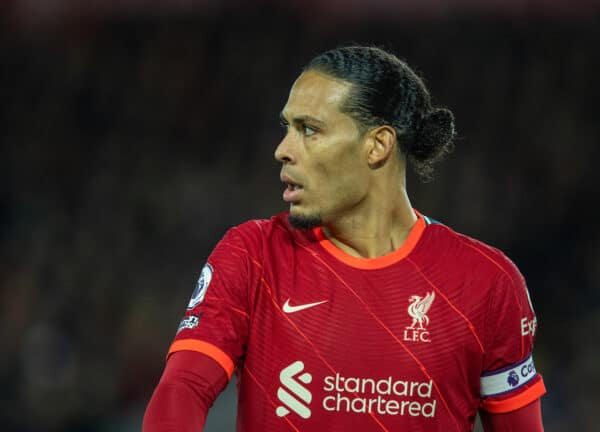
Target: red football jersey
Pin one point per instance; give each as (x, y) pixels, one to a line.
(416, 340)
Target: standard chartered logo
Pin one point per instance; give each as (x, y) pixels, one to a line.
(358, 395)
(292, 394)
(386, 396)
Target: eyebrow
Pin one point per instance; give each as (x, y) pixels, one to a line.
(302, 119)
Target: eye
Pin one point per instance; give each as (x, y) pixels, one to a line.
(283, 124)
(308, 131)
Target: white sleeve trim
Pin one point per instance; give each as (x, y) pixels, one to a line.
(507, 379)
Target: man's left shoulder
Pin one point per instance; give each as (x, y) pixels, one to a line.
(474, 253)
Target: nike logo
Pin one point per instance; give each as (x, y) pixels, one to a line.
(287, 308)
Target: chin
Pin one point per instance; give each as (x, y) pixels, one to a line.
(304, 221)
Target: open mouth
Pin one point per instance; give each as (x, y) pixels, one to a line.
(292, 191)
(294, 187)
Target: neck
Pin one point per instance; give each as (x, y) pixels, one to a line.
(376, 229)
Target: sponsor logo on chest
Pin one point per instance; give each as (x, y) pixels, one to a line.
(417, 310)
(352, 395)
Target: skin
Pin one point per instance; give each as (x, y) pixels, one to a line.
(354, 183)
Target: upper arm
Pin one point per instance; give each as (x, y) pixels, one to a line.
(509, 379)
(216, 322)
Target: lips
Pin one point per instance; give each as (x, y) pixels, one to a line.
(293, 190)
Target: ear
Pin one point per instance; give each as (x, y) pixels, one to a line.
(382, 142)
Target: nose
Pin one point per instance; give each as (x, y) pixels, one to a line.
(285, 151)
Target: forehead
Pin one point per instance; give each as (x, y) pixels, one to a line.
(317, 95)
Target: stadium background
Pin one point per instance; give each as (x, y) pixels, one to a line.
(135, 132)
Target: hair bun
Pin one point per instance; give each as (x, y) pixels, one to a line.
(434, 135)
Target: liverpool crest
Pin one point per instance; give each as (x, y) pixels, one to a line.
(417, 310)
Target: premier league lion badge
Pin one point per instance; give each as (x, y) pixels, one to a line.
(201, 286)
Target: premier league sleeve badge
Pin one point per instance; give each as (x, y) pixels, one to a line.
(201, 286)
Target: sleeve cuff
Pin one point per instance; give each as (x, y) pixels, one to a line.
(209, 349)
(535, 391)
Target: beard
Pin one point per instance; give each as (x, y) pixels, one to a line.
(304, 222)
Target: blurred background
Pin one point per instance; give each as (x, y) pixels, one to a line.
(134, 133)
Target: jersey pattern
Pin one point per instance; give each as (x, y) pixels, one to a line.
(417, 340)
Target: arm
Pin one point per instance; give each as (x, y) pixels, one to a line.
(188, 387)
(525, 419)
(210, 339)
(510, 386)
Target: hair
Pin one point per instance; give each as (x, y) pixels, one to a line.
(386, 91)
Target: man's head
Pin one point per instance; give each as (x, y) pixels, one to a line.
(354, 114)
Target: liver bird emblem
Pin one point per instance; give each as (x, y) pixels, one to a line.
(418, 309)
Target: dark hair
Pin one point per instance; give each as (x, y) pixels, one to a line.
(385, 91)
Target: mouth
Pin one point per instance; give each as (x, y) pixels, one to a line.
(292, 191)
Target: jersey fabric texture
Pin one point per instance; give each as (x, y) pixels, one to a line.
(418, 339)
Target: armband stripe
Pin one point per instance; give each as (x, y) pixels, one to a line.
(209, 349)
(507, 379)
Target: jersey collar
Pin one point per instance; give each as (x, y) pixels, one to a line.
(378, 262)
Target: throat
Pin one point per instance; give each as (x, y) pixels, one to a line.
(368, 246)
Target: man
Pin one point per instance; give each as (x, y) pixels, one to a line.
(354, 312)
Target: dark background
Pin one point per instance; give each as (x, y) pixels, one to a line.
(135, 134)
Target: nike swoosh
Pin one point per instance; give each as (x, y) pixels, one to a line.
(287, 308)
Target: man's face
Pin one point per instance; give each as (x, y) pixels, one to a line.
(324, 160)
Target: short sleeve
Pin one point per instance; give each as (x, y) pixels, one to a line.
(509, 379)
(218, 314)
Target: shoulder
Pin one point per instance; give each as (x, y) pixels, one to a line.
(260, 231)
(491, 279)
(261, 243)
(248, 243)
(261, 227)
(470, 253)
